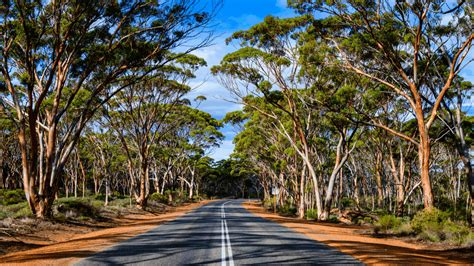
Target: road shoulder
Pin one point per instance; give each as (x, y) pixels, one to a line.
(368, 249)
(84, 245)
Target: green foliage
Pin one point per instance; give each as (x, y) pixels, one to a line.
(75, 207)
(18, 210)
(287, 209)
(347, 202)
(426, 220)
(9, 197)
(161, 198)
(387, 223)
(268, 203)
(435, 226)
(311, 214)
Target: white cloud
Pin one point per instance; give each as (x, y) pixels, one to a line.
(281, 3)
(223, 151)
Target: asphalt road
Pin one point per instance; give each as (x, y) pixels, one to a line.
(221, 232)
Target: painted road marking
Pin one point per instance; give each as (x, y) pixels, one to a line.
(225, 240)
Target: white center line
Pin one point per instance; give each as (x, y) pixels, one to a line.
(222, 243)
(229, 247)
(225, 239)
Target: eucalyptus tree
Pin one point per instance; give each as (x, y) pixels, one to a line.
(268, 61)
(194, 136)
(396, 44)
(57, 53)
(140, 116)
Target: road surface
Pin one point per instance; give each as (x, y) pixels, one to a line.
(219, 233)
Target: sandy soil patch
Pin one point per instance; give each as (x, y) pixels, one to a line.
(73, 246)
(368, 249)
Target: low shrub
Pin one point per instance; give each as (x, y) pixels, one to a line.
(287, 210)
(311, 214)
(18, 210)
(99, 196)
(429, 220)
(11, 196)
(268, 203)
(405, 228)
(75, 208)
(161, 198)
(347, 203)
(457, 233)
(436, 226)
(124, 202)
(332, 219)
(387, 223)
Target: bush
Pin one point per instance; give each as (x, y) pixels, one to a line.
(436, 226)
(347, 203)
(161, 198)
(11, 196)
(18, 210)
(99, 196)
(387, 223)
(287, 210)
(404, 229)
(429, 220)
(125, 202)
(75, 208)
(311, 214)
(457, 233)
(268, 203)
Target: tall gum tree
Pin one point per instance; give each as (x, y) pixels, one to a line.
(396, 44)
(60, 54)
(269, 58)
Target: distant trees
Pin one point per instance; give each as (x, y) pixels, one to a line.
(61, 61)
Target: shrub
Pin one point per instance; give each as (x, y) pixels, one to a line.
(125, 202)
(311, 214)
(457, 233)
(333, 219)
(268, 203)
(287, 210)
(429, 220)
(162, 198)
(435, 226)
(387, 222)
(347, 202)
(18, 210)
(99, 196)
(404, 229)
(74, 208)
(11, 196)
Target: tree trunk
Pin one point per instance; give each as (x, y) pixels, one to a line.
(424, 161)
(378, 180)
(301, 194)
(142, 198)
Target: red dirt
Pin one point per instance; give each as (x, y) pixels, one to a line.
(73, 245)
(366, 248)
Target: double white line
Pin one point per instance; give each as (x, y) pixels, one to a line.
(225, 240)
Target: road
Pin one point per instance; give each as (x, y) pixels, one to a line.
(221, 232)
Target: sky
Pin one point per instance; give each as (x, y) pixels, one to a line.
(238, 15)
(234, 15)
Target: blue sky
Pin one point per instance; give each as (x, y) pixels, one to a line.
(235, 15)
(240, 15)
